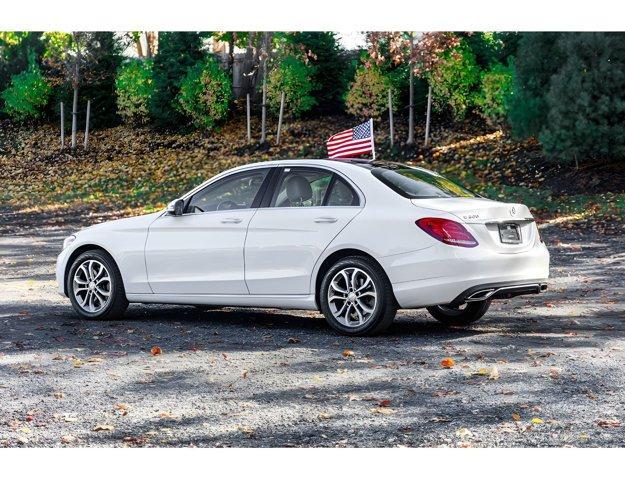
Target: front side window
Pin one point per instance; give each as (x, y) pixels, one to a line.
(234, 192)
(301, 187)
(412, 182)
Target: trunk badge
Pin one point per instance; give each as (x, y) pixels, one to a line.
(512, 212)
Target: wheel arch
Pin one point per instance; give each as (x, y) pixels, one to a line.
(76, 253)
(334, 257)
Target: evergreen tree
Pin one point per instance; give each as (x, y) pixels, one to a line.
(103, 54)
(538, 59)
(177, 52)
(586, 99)
(330, 68)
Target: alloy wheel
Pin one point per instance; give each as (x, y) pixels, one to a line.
(92, 286)
(352, 297)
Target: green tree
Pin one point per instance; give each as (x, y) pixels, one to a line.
(205, 94)
(103, 56)
(16, 51)
(368, 94)
(177, 52)
(538, 59)
(27, 95)
(494, 94)
(330, 68)
(454, 79)
(586, 99)
(295, 78)
(134, 88)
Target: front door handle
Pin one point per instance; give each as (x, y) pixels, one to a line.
(326, 220)
(231, 220)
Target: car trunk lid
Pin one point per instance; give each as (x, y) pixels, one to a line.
(495, 224)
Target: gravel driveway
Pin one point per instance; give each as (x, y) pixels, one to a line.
(536, 371)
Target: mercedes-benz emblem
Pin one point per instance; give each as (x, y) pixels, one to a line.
(513, 211)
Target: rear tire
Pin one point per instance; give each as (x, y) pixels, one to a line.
(459, 316)
(95, 286)
(357, 298)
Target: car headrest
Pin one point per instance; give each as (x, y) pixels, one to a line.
(298, 189)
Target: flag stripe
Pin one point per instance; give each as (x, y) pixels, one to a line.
(357, 144)
(352, 142)
(348, 144)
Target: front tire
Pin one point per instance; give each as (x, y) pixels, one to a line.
(459, 316)
(95, 286)
(357, 298)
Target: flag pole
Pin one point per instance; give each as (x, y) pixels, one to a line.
(372, 139)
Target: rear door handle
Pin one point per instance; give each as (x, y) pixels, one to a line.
(326, 220)
(231, 220)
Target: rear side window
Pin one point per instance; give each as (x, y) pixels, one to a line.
(413, 182)
(341, 194)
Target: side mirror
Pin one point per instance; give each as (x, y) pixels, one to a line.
(176, 207)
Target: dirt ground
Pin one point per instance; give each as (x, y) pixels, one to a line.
(546, 370)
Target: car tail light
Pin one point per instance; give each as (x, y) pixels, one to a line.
(447, 231)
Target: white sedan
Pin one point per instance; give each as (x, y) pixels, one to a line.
(356, 240)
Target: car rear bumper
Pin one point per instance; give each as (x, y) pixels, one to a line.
(452, 279)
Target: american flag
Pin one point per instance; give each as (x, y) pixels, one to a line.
(352, 142)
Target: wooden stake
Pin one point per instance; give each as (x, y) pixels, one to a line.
(87, 124)
(249, 120)
(280, 118)
(62, 126)
(390, 115)
(427, 117)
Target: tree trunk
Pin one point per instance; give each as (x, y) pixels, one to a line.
(231, 52)
(148, 51)
(138, 45)
(410, 140)
(427, 117)
(263, 136)
(151, 43)
(75, 85)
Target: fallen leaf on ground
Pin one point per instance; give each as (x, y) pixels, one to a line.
(464, 432)
(447, 362)
(293, 340)
(156, 350)
(554, 373)
(65, 439)
(382, 410)
(537, 421)
(516, 417)
(103, 428)
(347, 353)
(324, 416)
(608, 423)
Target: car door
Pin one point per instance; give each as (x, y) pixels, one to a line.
(308, 207)
(201, 251)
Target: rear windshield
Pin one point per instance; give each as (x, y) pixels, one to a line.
(414, 182)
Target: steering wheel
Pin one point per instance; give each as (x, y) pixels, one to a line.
(227, 205)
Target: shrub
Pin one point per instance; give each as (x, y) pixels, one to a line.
(368, 94)
(205, 94)
(293, 77)
(494, 94)
(134, 88)
(27, 95)
(453, 81)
